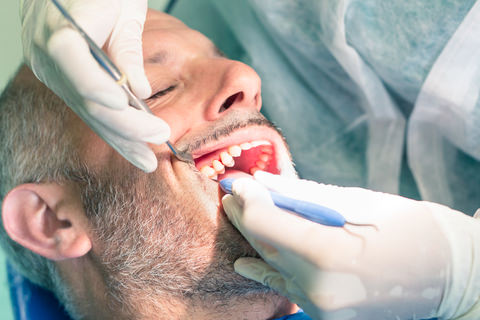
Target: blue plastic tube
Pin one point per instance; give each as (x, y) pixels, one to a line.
(307, 210)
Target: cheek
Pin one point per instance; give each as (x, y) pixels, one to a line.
(203, 197)
(199, 195)
(98, 154)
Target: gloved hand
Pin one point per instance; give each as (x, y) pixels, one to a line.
(61, 59)
(419, 262)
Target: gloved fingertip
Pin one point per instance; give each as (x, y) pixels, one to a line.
(265, 178)
(149, 168)
(241, 186)
(139, 83)
(259, 174)
(232, 209)
(251, 268)
(260, 271)
(227, 200)
(159, 138)
(146, 163)
(160, 128)
(229, 203)
(244, 188)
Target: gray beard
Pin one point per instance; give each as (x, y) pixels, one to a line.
(149, 243)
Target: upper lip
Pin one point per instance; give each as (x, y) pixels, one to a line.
(239, 136)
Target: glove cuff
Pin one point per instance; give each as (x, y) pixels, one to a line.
(462, 284)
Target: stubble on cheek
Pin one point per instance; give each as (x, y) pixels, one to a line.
(158, 242)
(202, 205)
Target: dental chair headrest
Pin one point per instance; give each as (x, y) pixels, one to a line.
(30, 302)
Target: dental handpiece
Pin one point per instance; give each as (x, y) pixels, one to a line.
(307, 210)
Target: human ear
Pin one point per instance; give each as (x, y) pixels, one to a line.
(47, 219)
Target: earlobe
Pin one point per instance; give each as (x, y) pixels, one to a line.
(42, 219)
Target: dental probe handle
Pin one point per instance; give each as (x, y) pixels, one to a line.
(307, 210)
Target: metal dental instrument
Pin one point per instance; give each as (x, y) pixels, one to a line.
(107, 64)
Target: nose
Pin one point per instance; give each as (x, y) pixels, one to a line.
(211, 89)
(238, 86)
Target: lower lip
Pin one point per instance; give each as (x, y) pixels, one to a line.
(232, 173)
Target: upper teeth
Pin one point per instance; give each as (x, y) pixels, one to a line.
(234, 151)
(218, 166)
(259, 143)
(209, 172)
(227, 159)
(246, 146)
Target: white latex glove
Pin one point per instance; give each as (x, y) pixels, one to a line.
(61, 59)
(421, 262)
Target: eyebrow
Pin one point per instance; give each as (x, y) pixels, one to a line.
(159, 57)
(162, 56)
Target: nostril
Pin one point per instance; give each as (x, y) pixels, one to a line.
(231, 100)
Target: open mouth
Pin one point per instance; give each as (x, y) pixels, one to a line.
(248, 157)
(238, 155)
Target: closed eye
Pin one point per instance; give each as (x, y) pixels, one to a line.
(162, 92)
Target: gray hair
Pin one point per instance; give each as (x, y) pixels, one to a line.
(155, 260)
(35, 147)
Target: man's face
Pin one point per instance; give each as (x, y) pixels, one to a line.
(175, 236)
(212, 105)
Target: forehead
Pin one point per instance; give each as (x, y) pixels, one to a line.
(158, 19)
(164, 34)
